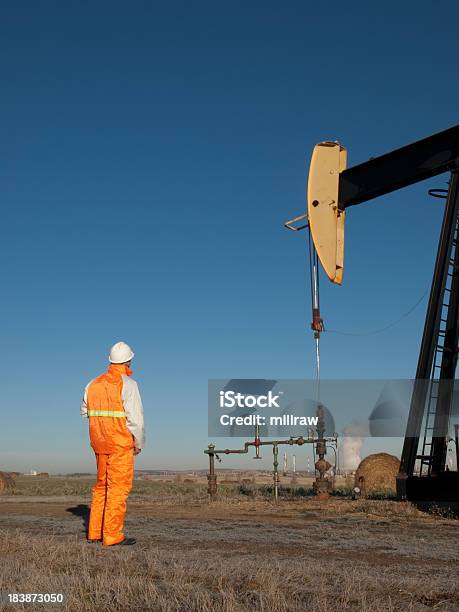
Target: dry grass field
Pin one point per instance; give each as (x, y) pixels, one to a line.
(241, 552)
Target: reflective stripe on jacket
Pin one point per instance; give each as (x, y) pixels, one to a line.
(114, 408)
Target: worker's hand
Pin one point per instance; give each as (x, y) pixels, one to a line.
(136, 450)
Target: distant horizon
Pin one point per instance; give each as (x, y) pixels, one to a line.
(265, 467)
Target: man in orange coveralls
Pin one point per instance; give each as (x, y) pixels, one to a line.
(113, 406)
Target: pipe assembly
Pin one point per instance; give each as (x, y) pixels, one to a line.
(322, 484)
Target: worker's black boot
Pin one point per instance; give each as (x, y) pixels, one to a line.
(128, 542)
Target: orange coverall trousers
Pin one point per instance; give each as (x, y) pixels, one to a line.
(115, 473)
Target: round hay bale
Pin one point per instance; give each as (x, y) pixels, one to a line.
(6, 481)
(376, 474)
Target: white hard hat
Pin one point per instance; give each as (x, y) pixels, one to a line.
(120, 353)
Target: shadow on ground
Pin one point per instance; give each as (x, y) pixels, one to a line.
(82, 510)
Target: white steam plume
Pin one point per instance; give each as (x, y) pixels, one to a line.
(353, 438)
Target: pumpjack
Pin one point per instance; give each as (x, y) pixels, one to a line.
(332, 190)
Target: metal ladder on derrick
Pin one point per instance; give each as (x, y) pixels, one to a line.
(426, 455)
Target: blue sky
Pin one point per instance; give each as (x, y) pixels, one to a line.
(148, 162)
